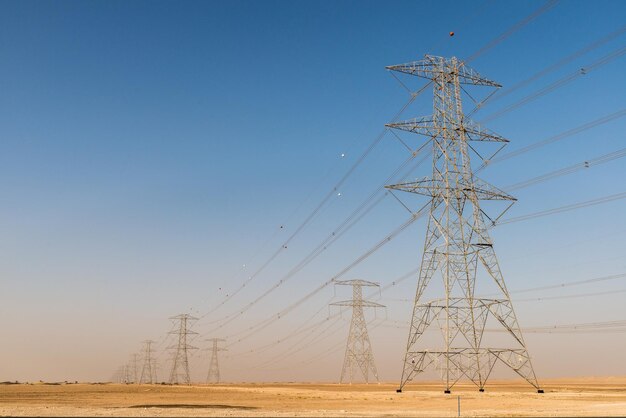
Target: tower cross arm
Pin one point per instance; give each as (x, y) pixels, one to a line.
(184, 316)
(425, 125)
(437, 188)
(215, 349)
(187, 347)
(355, 282)
(431, 67)
(185, 331)
(363, 303)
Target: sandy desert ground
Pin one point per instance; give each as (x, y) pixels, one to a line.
(562, 397)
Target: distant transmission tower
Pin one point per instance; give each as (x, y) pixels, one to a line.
(118, 377)
(180, 366)
(214, 368)
(127, 374)
(154, 370)
(358, 348)
(148, 374)
(457, 242)
(134, 368)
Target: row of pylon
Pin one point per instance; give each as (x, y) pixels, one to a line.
(457, 244)
(179, 373)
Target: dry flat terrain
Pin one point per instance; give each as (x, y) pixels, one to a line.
(563, 397)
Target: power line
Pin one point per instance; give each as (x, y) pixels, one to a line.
(259, 326)
(467, 21)
(532, 181)
(498, 94)
(337, 347)
(557, 84)
(606, 327)
(559, 286)
(263, 324)
(544, 8)
(412, 272)
(575, 296)
(310, 217)
(229, 318)
(568, 284)
(409, 274)
(294, 333)
(306, 342)
(313, 327)
(366, 206)
(569, 169)
(566, 208)
(516, 27)
(505, 92)
(570, 132)
(334, 236)
(587, 326)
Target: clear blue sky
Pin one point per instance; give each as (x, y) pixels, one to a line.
(149, 149)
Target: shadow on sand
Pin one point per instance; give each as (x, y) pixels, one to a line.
(192, 406)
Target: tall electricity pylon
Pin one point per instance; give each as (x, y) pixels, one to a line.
(180, 366)
(358, 348)
(148, 374)
(214, 367)
(458, 242)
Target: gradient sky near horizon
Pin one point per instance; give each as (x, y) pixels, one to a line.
(151, 149)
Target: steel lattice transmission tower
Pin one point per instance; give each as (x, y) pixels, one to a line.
(457, 241)
(119, 376)
(180, 366)
(358, 348)
(214, 367)
(127, 374)
(134, 367)
(155, 370)
(148, 372)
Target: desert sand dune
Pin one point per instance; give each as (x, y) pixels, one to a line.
(563, 397)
